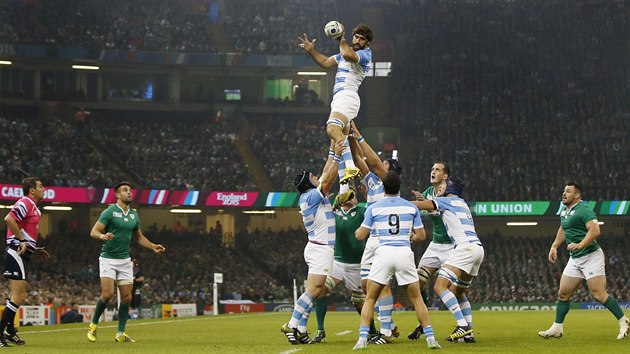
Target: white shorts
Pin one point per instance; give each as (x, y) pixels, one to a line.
(467, 257)
(319, 258)
(397, 261)
(586, 267)
(120, 270)
(367, 259)
(436, 255)
(346, 102)
(350, 274)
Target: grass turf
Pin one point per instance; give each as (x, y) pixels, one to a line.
(496, 332)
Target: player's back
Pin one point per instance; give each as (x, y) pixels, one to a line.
(457, 219)
(393, 220)
(318, 217)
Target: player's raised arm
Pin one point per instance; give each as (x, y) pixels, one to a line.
(372, 159)
(357, 155)
(329, 174)
(320, 59)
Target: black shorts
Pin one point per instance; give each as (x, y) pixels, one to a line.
(16, 266)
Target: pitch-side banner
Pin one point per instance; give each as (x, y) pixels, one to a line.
(167, 197)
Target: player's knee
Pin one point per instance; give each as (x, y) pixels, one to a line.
(106, 296)
(334, 125)
(357, 298)
(423, 274)
(445, 278)
(461, 286)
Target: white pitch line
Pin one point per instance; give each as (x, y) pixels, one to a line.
(344, 333)
(147, 323)
(291, 351)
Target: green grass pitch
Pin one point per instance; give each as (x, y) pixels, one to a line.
(496, 332)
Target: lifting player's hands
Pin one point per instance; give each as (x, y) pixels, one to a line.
(338, 147)
(157, 248)
(306, 44)
(354, 132)
(553, 255)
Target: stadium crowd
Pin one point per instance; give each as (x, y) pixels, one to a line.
(52, 149)
(116, 24)
(182, 26)
(175, 154)
(285, 146)
(515, 111)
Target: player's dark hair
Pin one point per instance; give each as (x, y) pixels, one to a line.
(447, 169)
(577, 187)
(394, 165)
(391, 183)
(28, 183)
(363, 30)
(122, 184)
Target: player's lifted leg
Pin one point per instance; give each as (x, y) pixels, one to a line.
(338, 128)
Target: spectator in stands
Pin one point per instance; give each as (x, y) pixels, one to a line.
(72, 315)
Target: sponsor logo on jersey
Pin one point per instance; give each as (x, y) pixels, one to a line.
(117, 214)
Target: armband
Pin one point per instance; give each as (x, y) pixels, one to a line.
(361, 139)
(23, 241)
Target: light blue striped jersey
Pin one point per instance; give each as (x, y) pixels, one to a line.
(457, 219)
(375, 189)
(318, 217)
(392, 219)
(350, 75)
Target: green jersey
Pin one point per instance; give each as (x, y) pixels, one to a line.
(439, 230)
(347, 248)
(573, 222)
(120, 224)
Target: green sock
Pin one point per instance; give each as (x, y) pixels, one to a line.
(100, 307)
(123, 314)
(561, 310)
(321, 307)
(613, 306)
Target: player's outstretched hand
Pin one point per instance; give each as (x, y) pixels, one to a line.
(157, 248)
(418, 195)
(306, 44)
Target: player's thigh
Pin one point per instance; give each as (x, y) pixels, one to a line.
(568, 285)
(345, 104)
(405, 267)
(368, 256)
(319, 259)
(383, 267)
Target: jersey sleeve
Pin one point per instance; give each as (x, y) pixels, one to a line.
(364, 57)
(105, 217)
(440, 203)
(368, 218)
(417, 219)
(587, 215)
(19, 211)
(337, 57)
